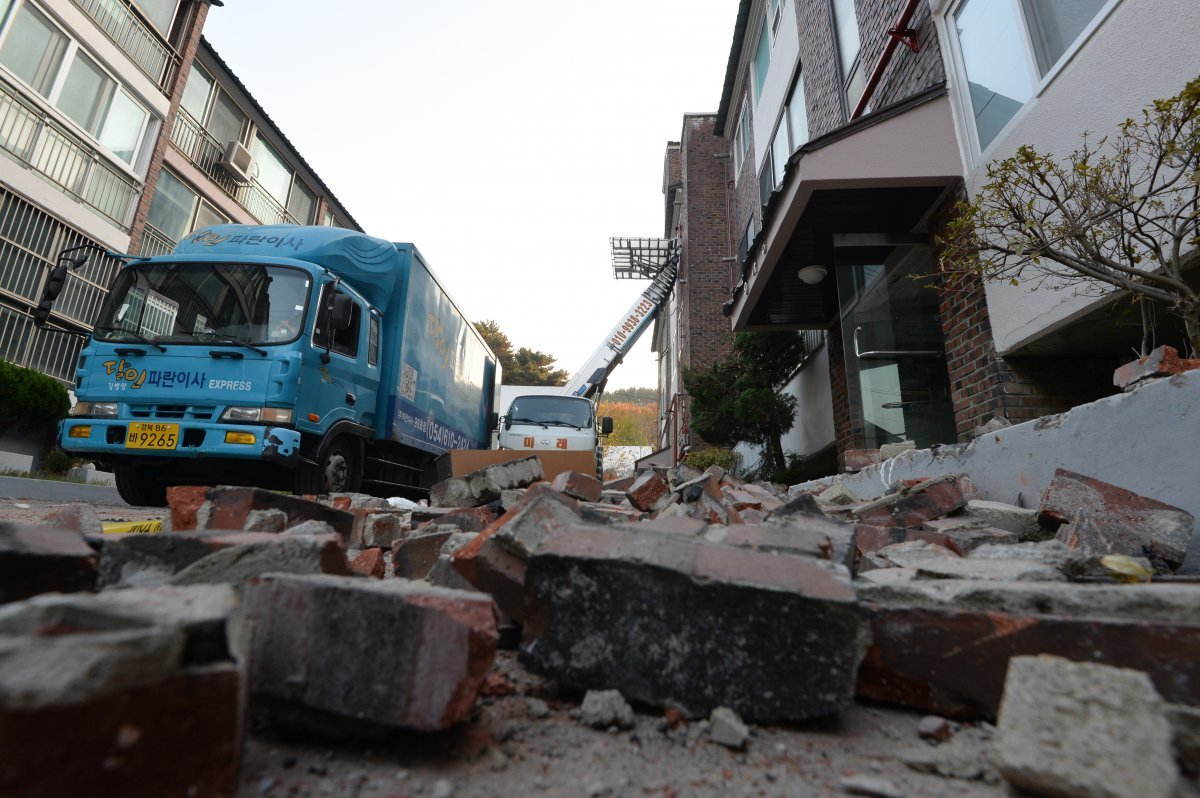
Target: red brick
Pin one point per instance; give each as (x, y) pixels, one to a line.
(649, 492)
(467, 519)
(79, 518)
(1162, 362)
(185, 501)
(369, 563)
(580, 486)
(228, 508)
(42, 559)
(913, 506)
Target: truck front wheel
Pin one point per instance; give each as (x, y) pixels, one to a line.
(138, 486)
(338, 468)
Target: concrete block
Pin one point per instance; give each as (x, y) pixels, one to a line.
(487, 484)
(226, 507)
(80, 518)
(727, 729)
(1020, 521)
(493, 569)
(291, 554)
(712, 511)
(1082, 729)
(602, 709)
(309, 633)
(679, 474)
(837, 494)
(41, 559)
(148, 560)
(443, 573)
(369, 562)
(1107, 519)
(771, 636)
(99, 700)
(889, 450)
(543, 512)
(465, 519)
(649, 492)
(752, 497)
(808, 536)
(943, 646)
(380, 530)
(579, 486)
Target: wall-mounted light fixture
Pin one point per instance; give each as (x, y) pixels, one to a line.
(813, 274)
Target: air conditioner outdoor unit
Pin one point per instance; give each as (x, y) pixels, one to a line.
(238, 161)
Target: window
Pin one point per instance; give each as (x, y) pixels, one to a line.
(273, 173)
(345, 342)
(797, 115)
(373, 341)
(57, 68)
(845, 20)
(176, 210)
(775, 15)
(302, 203)
(741, 140)
(33, 49)
(160, 13)
(196, 93)
(762, 61)
(781, 150)
(1008, 47)
(212, 108)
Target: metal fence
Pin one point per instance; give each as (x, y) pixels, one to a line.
(190, 138)
(144, 46)
(39, 142)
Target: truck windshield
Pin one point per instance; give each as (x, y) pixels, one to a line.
(202, 303)
(551, 411)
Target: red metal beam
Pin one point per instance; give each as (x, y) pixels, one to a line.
(900, 33)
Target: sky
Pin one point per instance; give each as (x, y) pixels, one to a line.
(508, 141)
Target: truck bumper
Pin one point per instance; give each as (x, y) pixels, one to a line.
(106, 438)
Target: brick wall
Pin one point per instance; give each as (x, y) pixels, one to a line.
(821, 72)
(744, 189)
(189, 42)
(704, 275)
(907, 73)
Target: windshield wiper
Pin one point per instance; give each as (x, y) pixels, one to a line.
(134, 335)
(546, 423)
(218, 338)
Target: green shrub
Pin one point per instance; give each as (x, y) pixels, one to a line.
(725, 458)
(59, 462)
(32, 401)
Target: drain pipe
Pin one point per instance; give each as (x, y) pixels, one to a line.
(901, 33)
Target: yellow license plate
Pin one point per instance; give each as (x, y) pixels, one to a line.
(142, 435)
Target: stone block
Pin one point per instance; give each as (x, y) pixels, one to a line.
(578, 485)
(1162, 362)
(79, 518)
(369, 562)
(1107, 519)
(943, 646)
(414, 556)
(727, 729)
(226, 507)
(99, 700)
(1083, 729)
(42, 559)
(649, 492)
(1020, 521)
(682, 623)
(911, 506)
(309, 633)
(602, 709)
(290, 554)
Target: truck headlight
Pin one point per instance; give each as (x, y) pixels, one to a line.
(94, 409)
(270, 415)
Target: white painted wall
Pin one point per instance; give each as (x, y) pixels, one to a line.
(1141, 51)
(814, 420)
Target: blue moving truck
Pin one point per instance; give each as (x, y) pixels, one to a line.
(311, 359)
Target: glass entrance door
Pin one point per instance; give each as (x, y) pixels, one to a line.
(895, 353)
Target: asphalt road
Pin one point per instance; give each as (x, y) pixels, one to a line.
(50, 490)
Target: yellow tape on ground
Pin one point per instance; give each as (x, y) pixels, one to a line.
(133, 527)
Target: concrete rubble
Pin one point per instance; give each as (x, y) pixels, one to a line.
(712, 606)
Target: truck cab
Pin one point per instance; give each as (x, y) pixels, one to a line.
(550, 422)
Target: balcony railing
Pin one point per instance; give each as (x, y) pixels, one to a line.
(138, 40)
(35, 139)
(190, 138)
(155, 242)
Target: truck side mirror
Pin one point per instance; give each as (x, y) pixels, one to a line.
(493, 421)
(606, 425)
(506, 421)
(341, 312)
(53, 287)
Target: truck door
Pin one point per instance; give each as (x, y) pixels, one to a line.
(346, 386)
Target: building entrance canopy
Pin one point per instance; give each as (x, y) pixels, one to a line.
(881, 175)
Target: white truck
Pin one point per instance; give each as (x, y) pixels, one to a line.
(565, 418)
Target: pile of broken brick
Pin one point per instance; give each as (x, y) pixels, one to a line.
(136, 658)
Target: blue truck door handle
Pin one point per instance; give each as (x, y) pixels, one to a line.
(351, 399)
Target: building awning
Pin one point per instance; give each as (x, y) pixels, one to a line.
(879, 175)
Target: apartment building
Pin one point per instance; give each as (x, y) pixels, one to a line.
(86, 87)
(852, 127)
(224, 160)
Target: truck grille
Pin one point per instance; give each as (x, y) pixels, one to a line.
(174, 412)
